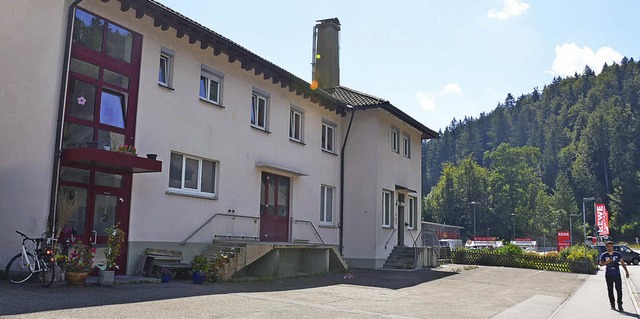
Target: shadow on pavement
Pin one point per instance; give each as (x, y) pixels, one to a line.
(31, 297)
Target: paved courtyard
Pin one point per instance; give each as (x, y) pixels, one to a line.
(452, 291)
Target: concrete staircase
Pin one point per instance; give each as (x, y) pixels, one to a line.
(401, 258)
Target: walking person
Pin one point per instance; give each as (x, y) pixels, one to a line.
(613, 260)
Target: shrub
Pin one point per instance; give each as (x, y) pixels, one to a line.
(552, 254)
(509, 249)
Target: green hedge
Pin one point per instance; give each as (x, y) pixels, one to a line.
(577, 263)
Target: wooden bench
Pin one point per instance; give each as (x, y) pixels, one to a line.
(156, 259)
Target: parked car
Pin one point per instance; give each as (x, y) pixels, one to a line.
(628, 254)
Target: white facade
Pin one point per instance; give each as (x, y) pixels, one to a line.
(368, 243)
(177, 120)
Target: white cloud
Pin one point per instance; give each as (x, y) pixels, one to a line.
(571, 59)
(426, 101)
(451, 88)
(510, 9)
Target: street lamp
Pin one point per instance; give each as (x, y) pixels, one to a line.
(584, 221)
(474, 217)
(570, 228)
(488, 231)
(513, 217)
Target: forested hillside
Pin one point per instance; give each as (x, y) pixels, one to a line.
(532, 160)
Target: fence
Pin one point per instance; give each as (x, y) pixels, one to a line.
(488, 258)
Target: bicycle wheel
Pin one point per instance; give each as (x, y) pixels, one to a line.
(18, 269)
(47, 270)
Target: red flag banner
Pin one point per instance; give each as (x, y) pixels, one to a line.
(602, 219)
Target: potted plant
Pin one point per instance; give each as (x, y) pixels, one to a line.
(217, 268)
(78, 264)
(127, 149)
(115, 239)
(199, 266)
(165, 275)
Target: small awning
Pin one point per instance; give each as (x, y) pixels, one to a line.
(118, 161)
(405, 189)
(281, 169)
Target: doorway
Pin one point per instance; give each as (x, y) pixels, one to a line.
(274, 208)
(401, 218)
(89, 201)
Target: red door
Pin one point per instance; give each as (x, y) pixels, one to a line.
(274, 208)
(90, 201)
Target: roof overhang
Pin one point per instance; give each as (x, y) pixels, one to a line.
(117, 161)
(287, 171)
(165, 18)
(405, 189)
(427, 133)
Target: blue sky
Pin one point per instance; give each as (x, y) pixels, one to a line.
(435, 60)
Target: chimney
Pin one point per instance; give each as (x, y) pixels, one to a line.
(326, 62)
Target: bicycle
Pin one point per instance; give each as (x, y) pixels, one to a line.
(23, 265)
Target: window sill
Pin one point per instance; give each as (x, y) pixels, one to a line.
(260, 129)
(210, 102)
(297, 142)
(387, 227)
(166, 86)
(330, 152)
(180, 192)
(328, 226)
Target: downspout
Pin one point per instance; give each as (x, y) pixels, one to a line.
(58, 144)
(344, 144)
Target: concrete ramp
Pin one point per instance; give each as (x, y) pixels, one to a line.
(268, 259)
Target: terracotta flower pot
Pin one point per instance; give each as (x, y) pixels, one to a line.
(76, 279)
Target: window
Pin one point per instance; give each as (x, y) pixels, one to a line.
(328, 137)
(295, 124)
(406, 142)
(192, 174)
(326, 204)
(413, 209)
(387, 208)
(210, 85)
(395, 140)
(165, 73)
(259, 111)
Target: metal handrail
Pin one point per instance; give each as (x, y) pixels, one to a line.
(393, 232)
(312, 226)
(255, 219)
(415, 251)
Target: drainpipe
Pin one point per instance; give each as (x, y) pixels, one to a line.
(58, 144)
(344, 144)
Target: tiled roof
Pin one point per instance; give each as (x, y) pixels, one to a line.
(359, 100)
(353, 97)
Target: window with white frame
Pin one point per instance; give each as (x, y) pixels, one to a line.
(259, 110)
(406, 142)
(413, 212)
(192, 174)
(395, 139)
(387, 208)
(295, 124)
(210, 85)
(328, 136)
(326, 204)
(165, 71)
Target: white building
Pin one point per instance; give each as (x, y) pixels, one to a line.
(235, 136)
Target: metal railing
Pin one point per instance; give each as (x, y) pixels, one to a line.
(391, 236)
(415, 248)
(234, 216)
(312, 226)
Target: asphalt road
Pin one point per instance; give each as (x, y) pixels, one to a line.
(452, 291)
